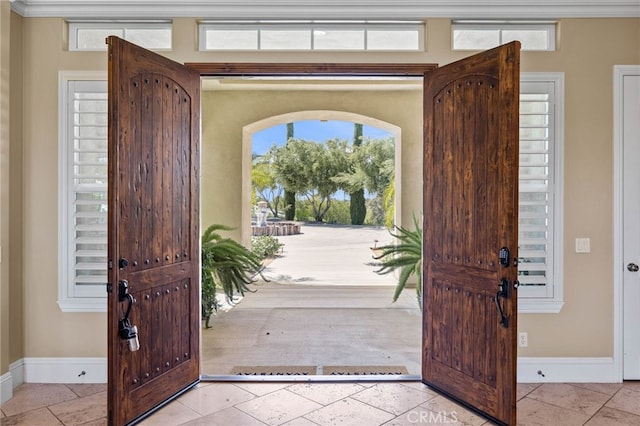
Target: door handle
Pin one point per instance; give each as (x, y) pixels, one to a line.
(632, 267)
(504, 291)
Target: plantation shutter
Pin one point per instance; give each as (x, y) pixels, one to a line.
(85, 158)
(536, 205)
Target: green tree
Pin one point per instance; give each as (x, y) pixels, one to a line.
(388, 201)
(376, 163)
(265, 186)
(289, 193)
(357, 206)
(371, 167)
(308, 168)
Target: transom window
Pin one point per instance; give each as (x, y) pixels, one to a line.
(91, 35)
(312, 35)
(482, 35)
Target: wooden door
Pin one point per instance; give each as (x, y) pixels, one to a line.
(470, 213)
(153, 243)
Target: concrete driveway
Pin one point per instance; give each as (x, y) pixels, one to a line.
(326, 254)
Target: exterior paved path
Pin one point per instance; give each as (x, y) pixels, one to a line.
(330, 255)
(324, 305)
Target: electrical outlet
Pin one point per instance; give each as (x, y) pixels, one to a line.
(523, 340)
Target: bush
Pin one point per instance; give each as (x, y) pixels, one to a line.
(303, 211)
(227, 265)
(338, 213)
(265, 246)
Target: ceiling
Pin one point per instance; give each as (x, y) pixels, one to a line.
(328, 9)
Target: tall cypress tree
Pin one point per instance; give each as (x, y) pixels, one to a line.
(289, 196)
(357, 207)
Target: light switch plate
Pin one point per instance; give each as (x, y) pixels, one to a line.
(583, 245)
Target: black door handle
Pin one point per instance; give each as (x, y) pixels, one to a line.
(504, 291)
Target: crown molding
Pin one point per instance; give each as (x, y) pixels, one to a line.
(328, 9)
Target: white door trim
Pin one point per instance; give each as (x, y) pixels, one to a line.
(619, 71)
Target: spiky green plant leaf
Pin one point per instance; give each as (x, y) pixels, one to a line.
(226, 265)
(405, 256)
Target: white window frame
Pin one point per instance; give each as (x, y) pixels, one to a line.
(120, 29)
(548, 26)
(551, 301)
(311, 27)
(71, 298)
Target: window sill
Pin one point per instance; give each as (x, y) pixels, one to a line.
(86, 304)
(538, 306)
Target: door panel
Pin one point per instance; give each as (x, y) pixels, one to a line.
(153, 228)
(630, 135)
(470, 212)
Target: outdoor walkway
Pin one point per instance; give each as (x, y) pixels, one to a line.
(330, 255)
(323, 306)
(298, 325)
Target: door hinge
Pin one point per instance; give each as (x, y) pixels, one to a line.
(109, 288)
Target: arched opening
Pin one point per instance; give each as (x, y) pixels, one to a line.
(249, 130)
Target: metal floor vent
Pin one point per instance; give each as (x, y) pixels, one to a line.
(328, 370)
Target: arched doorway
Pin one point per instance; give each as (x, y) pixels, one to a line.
(249, 130)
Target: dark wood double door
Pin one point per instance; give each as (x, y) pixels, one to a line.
(469, 208)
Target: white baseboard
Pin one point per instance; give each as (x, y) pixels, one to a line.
(16, 369)
(6, 387)
(11, 380)
(65, 370)
(567, 370)
(69, 370)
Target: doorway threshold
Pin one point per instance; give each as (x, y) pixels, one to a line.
(315, 378)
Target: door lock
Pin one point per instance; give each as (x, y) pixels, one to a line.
(632, 267)
(504, 256)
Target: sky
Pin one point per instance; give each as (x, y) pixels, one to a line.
(313, 130)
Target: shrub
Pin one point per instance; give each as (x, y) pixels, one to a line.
(265, 246)
(338, 212)
(404, 255)
(226, 265)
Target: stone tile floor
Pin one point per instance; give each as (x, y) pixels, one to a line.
(308, 404)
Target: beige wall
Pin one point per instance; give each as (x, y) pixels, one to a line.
(14, 252)
(5, 19)
(588, 49)
(48, 332)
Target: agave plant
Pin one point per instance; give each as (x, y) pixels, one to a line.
(226, 265)
(404, 255)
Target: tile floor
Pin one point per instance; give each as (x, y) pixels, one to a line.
(304, 404)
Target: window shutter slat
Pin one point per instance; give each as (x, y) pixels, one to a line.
(88, 195)
(536, 179)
